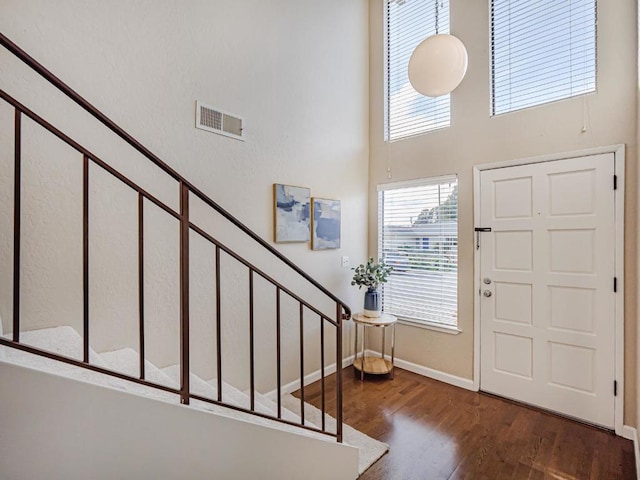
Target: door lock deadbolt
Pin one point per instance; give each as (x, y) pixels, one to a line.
(486, 281)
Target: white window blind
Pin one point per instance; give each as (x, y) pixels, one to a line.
(409, 22)
(418, 236)
(541, 52)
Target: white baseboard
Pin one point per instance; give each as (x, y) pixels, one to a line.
(454, 380)
(628, 432)
(308, 379)
(435, 374)
(405, 365)
(631, 433)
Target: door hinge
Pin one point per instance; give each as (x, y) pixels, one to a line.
(615, 182)
(615, 388)
(615, 284)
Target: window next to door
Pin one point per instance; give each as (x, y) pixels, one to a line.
(418, 237)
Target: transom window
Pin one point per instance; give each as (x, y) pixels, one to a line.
(418, 237)
(541, 52)
(408, 113)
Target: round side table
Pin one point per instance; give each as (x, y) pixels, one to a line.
(368, 363)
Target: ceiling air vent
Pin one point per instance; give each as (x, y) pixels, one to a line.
(214, 120)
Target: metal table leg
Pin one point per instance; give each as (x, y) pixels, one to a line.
(393, 348)
(364, 350)
(355, 347)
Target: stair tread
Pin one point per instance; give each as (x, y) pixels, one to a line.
(263, 405)
(231, 395)
(312, 415)
(209, 389)
(127, 361)
(63, 341)
(196, 384)
(272, 405)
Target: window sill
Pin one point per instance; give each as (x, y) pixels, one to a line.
(429, 326)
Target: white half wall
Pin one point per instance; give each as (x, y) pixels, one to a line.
(59, 428)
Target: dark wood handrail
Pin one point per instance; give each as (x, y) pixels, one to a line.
(186, 226)
(115, 128)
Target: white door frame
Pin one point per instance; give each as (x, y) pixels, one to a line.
(619, 159)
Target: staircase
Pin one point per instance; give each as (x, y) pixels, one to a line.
(67, 342)
(61, 429)
(296, 298)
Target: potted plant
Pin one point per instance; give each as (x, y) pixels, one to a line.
(371, 275)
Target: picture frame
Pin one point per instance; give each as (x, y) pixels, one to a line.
(325, 223)
(291, 213)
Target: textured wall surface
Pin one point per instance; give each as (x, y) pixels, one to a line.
(637, 231)
(475, 138)
(297, 72)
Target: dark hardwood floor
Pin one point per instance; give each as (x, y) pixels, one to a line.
(437, 431)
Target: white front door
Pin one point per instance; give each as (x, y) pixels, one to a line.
(547, 305)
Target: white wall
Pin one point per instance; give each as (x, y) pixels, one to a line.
(296, 71)
(60, 428)
(474, 138)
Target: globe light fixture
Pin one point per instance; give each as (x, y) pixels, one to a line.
(438, 65)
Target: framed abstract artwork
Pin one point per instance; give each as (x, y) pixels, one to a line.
(325, 224)
(291, 213)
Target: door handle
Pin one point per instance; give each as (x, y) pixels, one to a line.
(487, 293)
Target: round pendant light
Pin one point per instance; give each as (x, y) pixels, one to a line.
(438, 65)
